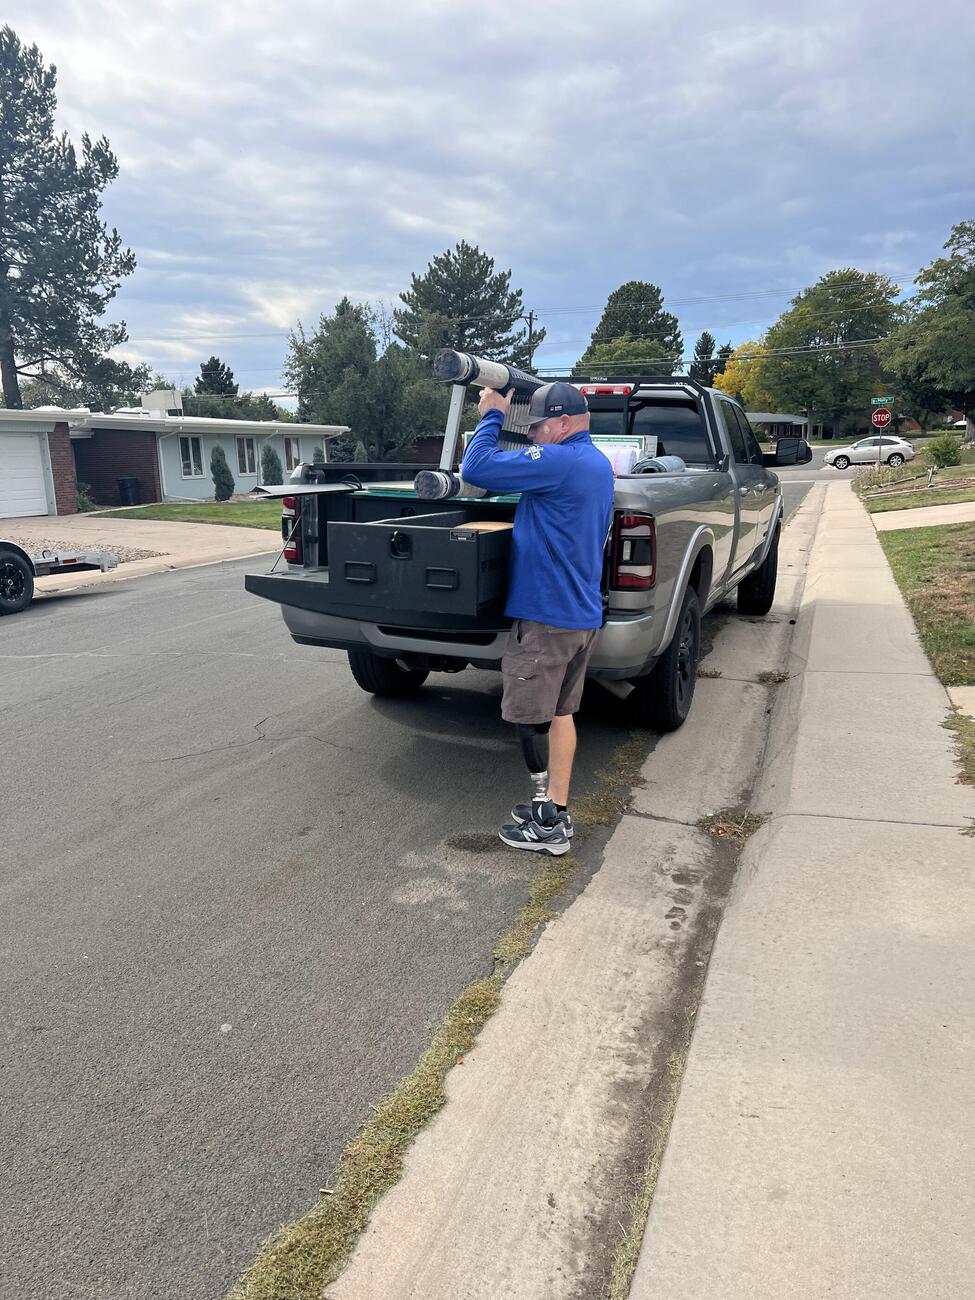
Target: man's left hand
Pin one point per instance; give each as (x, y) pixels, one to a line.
(490, 400)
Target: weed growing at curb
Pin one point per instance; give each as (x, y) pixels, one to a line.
(775, 677)
(712, 673)
(963, 728)
(735, 825)
(303, 1257)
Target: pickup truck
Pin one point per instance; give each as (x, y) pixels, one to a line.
(410, 586)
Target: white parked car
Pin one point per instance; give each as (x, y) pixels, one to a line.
(887, 449)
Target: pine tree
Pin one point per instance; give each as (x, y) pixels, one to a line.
(636, 309)
(223, 480)
(60, 264)
(703, 367)
(460, 301)
(216, 378)
(721, 360)
(271, 471)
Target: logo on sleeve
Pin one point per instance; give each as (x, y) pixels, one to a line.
(534, 452)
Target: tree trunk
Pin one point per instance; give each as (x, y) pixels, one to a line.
(8, 371)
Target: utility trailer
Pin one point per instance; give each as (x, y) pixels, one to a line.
(18, 570)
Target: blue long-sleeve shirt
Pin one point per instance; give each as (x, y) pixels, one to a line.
(560, 524)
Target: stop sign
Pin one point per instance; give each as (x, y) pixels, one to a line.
(880, 418)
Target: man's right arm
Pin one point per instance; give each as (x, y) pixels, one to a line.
(530, 469)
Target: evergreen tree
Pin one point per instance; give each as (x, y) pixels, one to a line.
(271, 471)
(60, 264)
(460, 301)
(635, 309)
(721, 360)
(223, 480)
(703, 367)
(217, 378)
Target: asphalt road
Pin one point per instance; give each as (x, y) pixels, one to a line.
(234, 893)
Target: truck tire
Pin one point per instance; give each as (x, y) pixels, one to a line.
(16, 583)
(757, 592)
(662, 700)
(381, 676)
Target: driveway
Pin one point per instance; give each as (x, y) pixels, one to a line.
(144, 545)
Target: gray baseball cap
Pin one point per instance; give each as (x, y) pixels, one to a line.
(549, 402)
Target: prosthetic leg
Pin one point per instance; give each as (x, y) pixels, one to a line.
(537, 826)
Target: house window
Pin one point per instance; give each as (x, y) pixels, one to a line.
(292, 453)
(246, 456)
(191, 454)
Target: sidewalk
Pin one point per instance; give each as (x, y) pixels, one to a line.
(177, 545)
(822, 1139)
(960, 512)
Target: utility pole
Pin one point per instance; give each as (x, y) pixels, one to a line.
(530, 318)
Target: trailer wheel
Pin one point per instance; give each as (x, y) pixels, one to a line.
(16, 583)
(381, 676)
(662, 700)
(757, 592)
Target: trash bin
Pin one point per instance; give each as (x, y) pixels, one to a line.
(128, 491)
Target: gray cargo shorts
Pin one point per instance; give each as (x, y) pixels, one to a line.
(544, 670)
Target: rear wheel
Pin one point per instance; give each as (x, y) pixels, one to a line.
(757, 592)
(381, 676)
(841, 462)
(895, 459)
(662, 700)
(16, 583)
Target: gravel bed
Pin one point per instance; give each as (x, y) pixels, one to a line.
(34, 546)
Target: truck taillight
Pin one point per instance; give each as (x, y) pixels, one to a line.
(291, 529)
(633, 565)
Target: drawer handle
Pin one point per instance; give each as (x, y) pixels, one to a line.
(443, 579)
(358, 571)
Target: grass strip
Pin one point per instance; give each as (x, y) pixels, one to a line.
(915, 500)
(241, 514)
(303, 1257)
(935, 570)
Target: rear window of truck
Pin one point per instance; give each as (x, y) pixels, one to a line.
(677, 426)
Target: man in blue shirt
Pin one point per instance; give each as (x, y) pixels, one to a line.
(554, 592)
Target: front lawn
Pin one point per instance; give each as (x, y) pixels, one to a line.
(925, 497)
(935, 569)
(245, 514)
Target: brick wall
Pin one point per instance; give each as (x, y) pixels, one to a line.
(111, 454)
(62, 467)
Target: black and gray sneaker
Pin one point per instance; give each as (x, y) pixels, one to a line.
(521, 812)
(542, 832)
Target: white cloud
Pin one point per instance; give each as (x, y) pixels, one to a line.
(275, 157)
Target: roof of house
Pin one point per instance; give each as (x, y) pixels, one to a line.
(774, 417)
(160, 423)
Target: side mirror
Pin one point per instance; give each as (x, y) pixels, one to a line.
(788, 451)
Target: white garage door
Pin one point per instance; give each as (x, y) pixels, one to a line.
(21, 476)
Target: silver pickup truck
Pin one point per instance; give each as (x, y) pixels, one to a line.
(410, 586)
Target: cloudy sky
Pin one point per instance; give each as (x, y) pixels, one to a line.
(275, 156)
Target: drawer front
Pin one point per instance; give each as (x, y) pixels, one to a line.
(397, 566)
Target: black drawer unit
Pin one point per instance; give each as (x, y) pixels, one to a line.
(444, 563)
